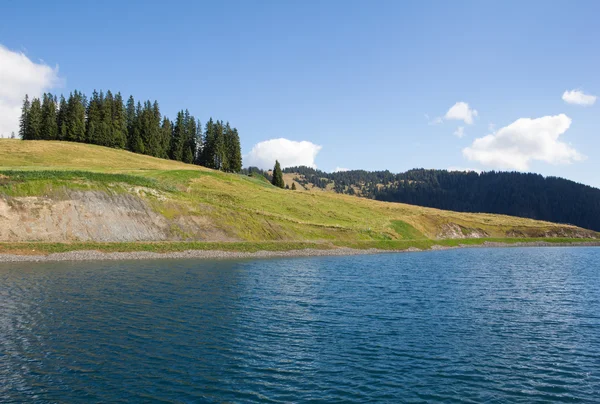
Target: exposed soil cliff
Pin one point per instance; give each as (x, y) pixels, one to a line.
(96, 216)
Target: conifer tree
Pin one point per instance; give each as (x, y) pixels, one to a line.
(105, 120)
(49, 128)
(219, 146)
(166, 134)
(277, 176)
(189, 146)
(208, 145)
(61, 119)
(130, 117)
(293, 186)
(178, 139)
(227, 144)
(199, 145)
(235, 152)
(34, 120)
(233, 155)
(156, 131)
(75, 117)
(106, 136)
(24, 121)
(137, 144)
(151, 129)
(119, 123)
(94, 119)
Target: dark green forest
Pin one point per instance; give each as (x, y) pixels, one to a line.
(511, 193)
(106, 120)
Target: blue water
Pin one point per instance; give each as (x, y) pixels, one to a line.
(479, 325)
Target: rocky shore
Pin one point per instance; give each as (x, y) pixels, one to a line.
(88, 255)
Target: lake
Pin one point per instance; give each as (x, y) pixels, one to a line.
(472, 325)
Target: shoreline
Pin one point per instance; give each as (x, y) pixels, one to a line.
(94, 255)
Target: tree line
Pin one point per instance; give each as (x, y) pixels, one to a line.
(106, 120)
(511, 193)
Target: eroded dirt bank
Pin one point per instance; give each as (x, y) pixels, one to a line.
(96, 216)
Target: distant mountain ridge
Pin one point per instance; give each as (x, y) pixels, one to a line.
(511, 193)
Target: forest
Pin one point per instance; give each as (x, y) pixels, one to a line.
(511, 193)
(106, 120)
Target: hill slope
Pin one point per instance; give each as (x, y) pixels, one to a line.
(510, 193)
(68, 192)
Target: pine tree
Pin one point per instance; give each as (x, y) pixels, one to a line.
(106, 135)
(155, 131)
(227, 145)
(49, 128)
(178, 139)
(75, 117)
(235, 152)
(94, 119)
(61, 119)
(137, 144)
(219, 146)
(24, 121)
(130, 118)
(232, 150)
(150, 129)
(34, 119)
(119, 123)
(208, 145)
(277, 176)
(106, 121)
(189, 146)
(166, 134)
(293, 186)
(199, 145)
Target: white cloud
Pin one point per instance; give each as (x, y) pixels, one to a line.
(516, 145)
(434, 121)
(340, 170)
(491, 127)
(461, 112)
(20, 76)
(289, 153)
(459, 132)
(578, 97)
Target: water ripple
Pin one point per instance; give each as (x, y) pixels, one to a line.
(498, 325)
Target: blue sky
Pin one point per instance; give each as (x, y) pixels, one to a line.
(363, 80)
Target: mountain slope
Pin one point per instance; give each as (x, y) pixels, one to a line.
(68, 192)
(510, 193)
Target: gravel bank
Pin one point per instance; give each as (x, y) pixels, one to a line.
(85, 255)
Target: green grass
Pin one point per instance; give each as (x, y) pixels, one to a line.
(243, 208)
(35, 248)
(33, 183)
(426, 244)
(405, 230)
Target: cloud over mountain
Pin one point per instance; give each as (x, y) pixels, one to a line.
(514, 146)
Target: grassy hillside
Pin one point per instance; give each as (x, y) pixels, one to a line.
(191, 203)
